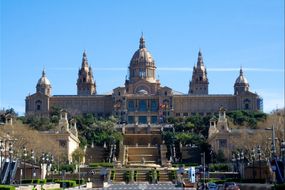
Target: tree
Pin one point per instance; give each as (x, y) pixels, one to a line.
(22, 135)
(78, 155)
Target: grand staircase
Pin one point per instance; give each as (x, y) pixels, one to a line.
(142, 155)
(95, 154)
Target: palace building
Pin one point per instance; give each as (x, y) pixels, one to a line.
(142, 99)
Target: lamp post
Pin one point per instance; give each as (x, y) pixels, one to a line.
(24, 156)
(283, 157)
(234, 161)
(10, 160)
(1, 152)
(259, 155)
(238, 162)
(42, 160)
(253, 159)
(242, 163)
(33, 160)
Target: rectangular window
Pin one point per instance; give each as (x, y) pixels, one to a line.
(142, 105)
(153, 119)
(177, 114)
(131, 119)
(142, 119)
(131, 105)
(154, 105)
(185, 114)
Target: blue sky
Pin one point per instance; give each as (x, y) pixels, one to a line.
(54, 33)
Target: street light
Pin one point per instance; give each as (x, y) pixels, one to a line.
(42, 160)
(10, 160)
(25, 155)
(242, 163)
(33, 160)
(253, 159)
(259, 155)
(1, 152)
(234, 161)
(283, 156)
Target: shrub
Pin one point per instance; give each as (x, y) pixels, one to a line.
(7, 187)
(112, 175)
(279, 187)
(150, 176)
(80, 181)
(135, 175)
(219, 167)
(101, 164)
(49, 180)
(184, 164)
(157, 175)
(172, 175)
(67, 167)
(66, 183)
(127, 176)
(27, 181)
(33, 181)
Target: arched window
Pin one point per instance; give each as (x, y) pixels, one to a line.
(38, 105)
(246, 104)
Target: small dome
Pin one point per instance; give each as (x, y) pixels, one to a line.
(43, 80)
(241, 79)
(142, 55)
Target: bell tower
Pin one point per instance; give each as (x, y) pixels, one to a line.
(199, 84)
(85, 82)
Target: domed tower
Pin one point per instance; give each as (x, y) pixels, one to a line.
(241, 84)
(199, 83)
(43, 85)
(142, 65)
(85, 82)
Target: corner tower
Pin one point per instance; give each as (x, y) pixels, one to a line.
(43, 85)
(85, 82)
(199, 84)
(241, 84)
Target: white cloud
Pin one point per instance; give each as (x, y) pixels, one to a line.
(183, 69)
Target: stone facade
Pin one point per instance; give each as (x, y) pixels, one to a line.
(66, 135)
(220, 135)
(142, 99)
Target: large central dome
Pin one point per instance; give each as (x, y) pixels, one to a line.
(142, 65)
(142, 55)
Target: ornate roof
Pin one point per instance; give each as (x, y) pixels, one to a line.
(142, 55)
(241, 79)
(43, 80)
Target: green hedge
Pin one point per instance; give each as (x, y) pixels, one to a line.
(219, 167)
(7, 187)
(80, 181)
(184, 164)
(67, 167)
(101, 164)
(66, 183)
(34, 181)
(279, 187)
